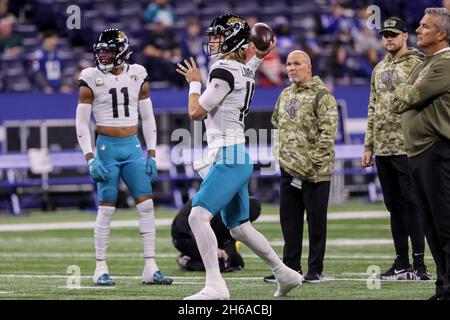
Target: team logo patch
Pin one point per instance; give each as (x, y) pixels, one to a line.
(134, 77)
(102, 147)
(389, 23)
(291, 107)
(389, 79)
(99, 82)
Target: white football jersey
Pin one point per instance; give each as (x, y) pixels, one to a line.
(225, 123)
(115, 97)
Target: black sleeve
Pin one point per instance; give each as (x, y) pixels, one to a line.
(223, 75)
(147, 79)
(82, 83)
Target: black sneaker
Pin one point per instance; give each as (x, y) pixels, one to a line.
(182, 260)
(420, 269)
(271, 278)
(422, 273)
(398, 272)
(314, 277)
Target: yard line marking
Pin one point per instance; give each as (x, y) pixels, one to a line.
(138, 255)
(161, 222)
(192, 280)
(274, 242)
(85, 287)
(346, 242)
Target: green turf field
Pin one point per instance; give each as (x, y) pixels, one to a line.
(34, 264)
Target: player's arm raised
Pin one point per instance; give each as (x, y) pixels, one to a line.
(148, 128)
(192, 75)
(202, 103)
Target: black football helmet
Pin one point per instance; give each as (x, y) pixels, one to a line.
(235, 32)
(115, 42)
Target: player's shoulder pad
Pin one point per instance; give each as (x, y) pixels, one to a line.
(223, 70)
(138, 70)
(89, 73)
(88, 76)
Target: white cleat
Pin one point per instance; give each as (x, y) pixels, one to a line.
(211, 293)
(99, 271)
(287, 279)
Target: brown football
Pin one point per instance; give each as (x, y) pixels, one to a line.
(261, 35)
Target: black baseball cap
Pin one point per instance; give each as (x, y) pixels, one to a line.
(395, 25)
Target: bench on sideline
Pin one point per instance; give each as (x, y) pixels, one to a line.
(15, 166)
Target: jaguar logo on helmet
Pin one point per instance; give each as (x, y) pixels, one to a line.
(233, 32)
(111, 49)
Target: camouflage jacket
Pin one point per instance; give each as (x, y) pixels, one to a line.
(306, 120)
(424, 103)
(384, 134)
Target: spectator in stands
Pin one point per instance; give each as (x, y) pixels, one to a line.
(48, 66)
(286, 41)
(312, 48)
(10, 43)
(413, 10)
(161, 53)
(424, 102)
(191, 45)
(270, 72)
(384, 139)
(160, 11)
(338, 67)
(306, 119)
(3, 9)
(183, 239)
(338, 21)
(365, 44)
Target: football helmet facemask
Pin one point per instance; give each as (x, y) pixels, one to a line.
(233, 31)
(111, 49)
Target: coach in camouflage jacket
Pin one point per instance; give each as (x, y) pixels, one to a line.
(384, 139)
(306, 120)
(384, 136)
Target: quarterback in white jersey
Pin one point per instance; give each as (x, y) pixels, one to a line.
(223, 106)
(116, 93)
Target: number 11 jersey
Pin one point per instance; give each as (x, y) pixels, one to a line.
(115, 96)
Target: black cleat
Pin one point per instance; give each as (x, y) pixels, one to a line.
(314, 277)
(271, 278)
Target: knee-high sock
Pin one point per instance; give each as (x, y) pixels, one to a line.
(147, 230)
(199, 221)
(102, 230)
(257, 243)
